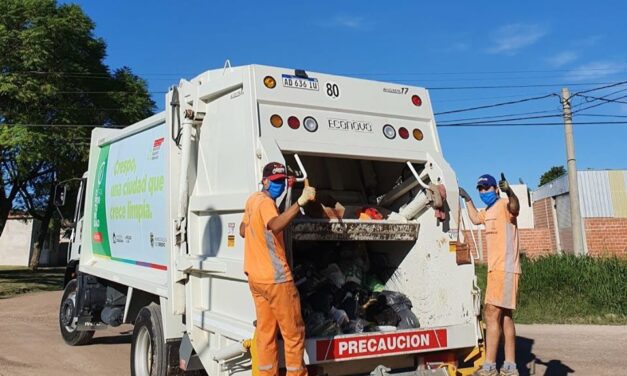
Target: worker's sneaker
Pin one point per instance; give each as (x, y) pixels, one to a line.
(505, 372)
(485, 372)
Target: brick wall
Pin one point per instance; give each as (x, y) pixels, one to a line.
(534, 242)
(606, 236)
(543, 219)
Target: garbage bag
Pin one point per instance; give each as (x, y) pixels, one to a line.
(378, 311)
(321, 301)
(334, 274)
(352, 271)
(339, 316)
(408, 319)
(355, 326)
(402, 305)
(373, 284)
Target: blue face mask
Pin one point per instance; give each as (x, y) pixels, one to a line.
(488, 198)
(276, 189)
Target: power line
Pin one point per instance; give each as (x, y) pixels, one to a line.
(496, 104)
(512, 119)
(596, 105)
(510, 86)
(604, 115)
(498, 116)
(63, 125)
(600, 88)
(602, 99)
(528, 124)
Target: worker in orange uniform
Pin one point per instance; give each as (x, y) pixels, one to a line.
(269, 276)
(501, 232)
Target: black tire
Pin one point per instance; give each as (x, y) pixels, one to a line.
(67, 315)
(148, 349)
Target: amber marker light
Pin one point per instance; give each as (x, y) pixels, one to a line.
(269, 81)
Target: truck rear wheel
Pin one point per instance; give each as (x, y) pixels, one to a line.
(148, 350)
(67, 318)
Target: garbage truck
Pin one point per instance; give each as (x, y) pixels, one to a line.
(385, 286)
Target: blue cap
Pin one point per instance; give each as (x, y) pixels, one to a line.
(486, 181)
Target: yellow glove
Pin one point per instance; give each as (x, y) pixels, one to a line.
(309, 194)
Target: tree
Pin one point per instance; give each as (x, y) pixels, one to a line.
(52, 72)
(554, 173)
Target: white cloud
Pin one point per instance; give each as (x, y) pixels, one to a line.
(350, 22)
(510, 39)
(595, 70)
(562, 58)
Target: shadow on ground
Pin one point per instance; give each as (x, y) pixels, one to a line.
(526, 361)
(112, 340)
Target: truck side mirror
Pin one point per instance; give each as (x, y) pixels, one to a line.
(60, 192)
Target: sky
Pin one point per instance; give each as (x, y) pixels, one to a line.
(467, 53)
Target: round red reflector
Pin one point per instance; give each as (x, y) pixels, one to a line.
(416, 100)
(293, 122)
(403, 132)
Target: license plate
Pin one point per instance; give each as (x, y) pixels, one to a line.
(300, 82)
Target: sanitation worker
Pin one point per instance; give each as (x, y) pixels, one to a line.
(501, 233)
(269, 276)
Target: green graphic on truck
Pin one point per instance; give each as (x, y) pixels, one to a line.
(129, 224)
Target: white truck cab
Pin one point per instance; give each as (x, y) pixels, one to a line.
(156, 241)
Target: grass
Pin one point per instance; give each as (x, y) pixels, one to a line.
(16, 280)
(570, 290)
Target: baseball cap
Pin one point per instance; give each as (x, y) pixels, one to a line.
(486, 181)
(274, 171)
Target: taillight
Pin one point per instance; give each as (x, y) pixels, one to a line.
(293, 122)
(310, 124)
(389, 131)
(269, 81)
(276, 121)
(403, 132)
(416, 100)
(418, 134)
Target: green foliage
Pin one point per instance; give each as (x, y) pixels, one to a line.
(52, 72)
(554, 173)
(570, 289)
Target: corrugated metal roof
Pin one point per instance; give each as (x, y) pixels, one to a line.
(602, 193)
(618, 182)
(554, 188)
(595, 196)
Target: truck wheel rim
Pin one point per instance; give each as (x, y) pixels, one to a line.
(68, 312)
(143, 352)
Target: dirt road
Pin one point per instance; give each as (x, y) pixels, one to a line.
(30, 345)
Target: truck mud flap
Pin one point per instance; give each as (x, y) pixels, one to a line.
(188, 359)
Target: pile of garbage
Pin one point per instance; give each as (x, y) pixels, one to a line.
(341, 294)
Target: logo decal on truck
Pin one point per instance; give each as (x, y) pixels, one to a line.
(156, 147)
(396, 90)
(350, 125)
(380, 344)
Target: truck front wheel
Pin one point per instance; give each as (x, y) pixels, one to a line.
(68, 316)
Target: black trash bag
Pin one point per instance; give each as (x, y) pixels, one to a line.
(318, 325)
(401, 304)
(378, 311)
(349, 304)
(356, 326)
(321, 300)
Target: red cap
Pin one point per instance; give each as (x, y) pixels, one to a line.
(274, 171)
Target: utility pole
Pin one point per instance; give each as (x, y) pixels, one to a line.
(573, 188)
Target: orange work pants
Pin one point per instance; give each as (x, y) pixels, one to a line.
(278, 307)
